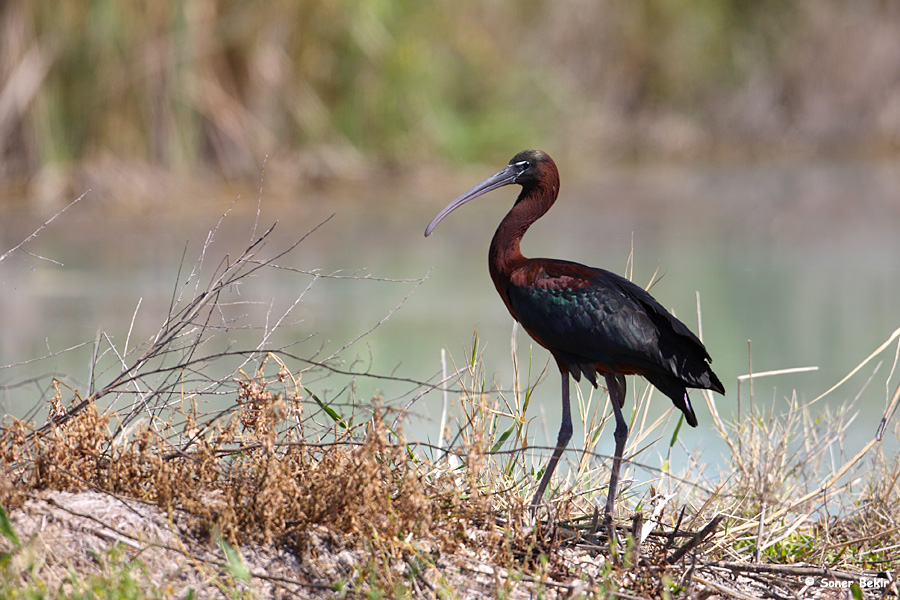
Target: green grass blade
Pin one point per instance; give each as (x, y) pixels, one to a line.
(503, 437)
(236, 565)
(335, 416)
(6, 529)
(675, 433)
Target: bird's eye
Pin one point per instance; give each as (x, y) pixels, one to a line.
(522, 166)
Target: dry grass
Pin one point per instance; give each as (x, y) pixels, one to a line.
(131, 491)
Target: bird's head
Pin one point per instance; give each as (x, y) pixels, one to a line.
(532, 166)
(528, 168)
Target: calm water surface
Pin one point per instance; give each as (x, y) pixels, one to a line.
(803, 261)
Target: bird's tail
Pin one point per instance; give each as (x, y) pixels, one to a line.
(675, 389)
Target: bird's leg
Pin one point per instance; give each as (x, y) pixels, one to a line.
(616, 386)
(562, 440)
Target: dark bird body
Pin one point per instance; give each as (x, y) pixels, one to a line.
(591, 320)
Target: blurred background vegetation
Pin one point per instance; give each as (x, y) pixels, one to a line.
(334, 88)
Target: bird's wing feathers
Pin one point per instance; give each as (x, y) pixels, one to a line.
(591, 316)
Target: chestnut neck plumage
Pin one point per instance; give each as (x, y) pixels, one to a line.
(535, 200)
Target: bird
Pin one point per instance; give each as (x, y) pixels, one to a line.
(593, 322)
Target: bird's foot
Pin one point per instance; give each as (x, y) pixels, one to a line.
(606, 525)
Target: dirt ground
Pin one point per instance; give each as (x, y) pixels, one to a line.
(67, 533)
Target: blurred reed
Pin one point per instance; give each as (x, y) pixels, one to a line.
(333, 84)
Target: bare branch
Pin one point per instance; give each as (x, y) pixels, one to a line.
(41, 228)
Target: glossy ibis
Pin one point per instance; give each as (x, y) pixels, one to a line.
(592, 321)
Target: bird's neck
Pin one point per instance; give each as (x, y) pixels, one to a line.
(505, 255)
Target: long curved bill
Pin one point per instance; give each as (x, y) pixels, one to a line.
(505, 177)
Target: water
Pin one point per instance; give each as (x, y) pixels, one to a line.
(803, 261)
